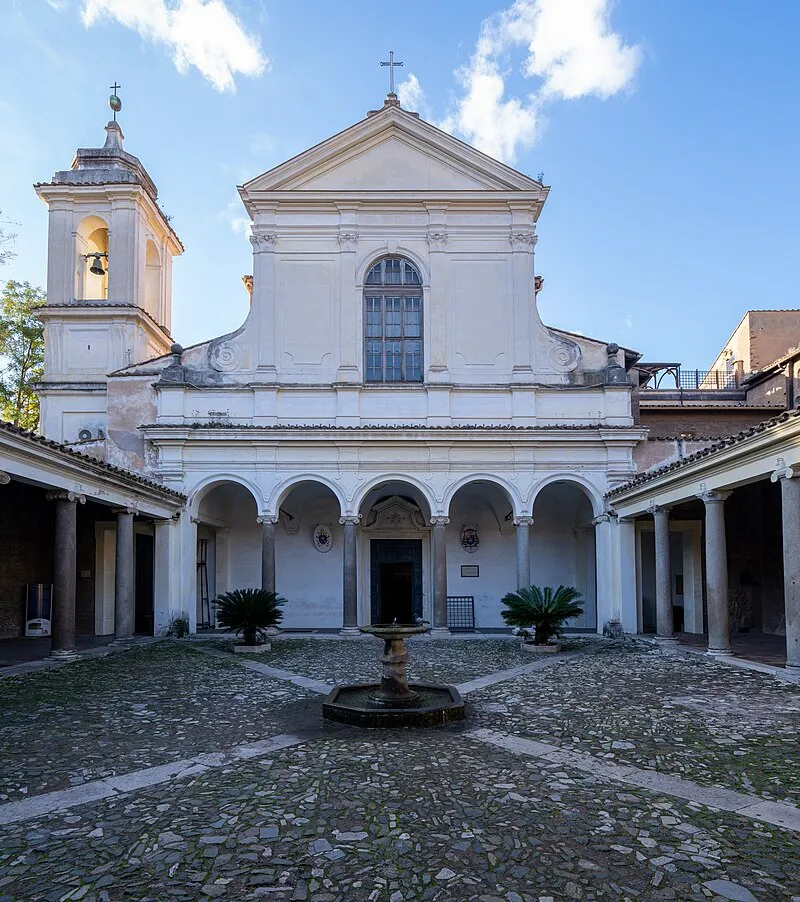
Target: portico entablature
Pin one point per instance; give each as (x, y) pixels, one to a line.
(440, 461)
(762, 451)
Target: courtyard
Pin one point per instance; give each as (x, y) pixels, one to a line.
(615, 770)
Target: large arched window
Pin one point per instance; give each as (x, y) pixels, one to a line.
(393, 322)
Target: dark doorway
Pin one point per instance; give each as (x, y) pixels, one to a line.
(396, 580)
(145, 548)
(395, 592)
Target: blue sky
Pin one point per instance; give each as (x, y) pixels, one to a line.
(668, 130)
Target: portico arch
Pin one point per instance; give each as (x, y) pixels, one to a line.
(592, 493)
(563, 543)
(481, 547)
(309, 553)
(228, 541)
(396, 555)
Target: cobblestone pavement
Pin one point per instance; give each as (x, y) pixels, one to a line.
(353, 814)
(678, 714)
(338, 660)
(134, 709)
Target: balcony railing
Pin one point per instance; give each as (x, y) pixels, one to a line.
(673, 377)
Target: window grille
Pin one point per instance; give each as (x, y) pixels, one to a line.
(393, 322)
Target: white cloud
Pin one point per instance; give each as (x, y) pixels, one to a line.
(200, 33)
(411, 95)
(236, 217)
(571, 51)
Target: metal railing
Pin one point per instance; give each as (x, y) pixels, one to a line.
(675, 378)
(461, 612)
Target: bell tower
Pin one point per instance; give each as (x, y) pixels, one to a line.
(109, 282)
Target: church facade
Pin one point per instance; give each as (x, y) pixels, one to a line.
(392, 431)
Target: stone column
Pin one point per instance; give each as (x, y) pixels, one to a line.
(350, 576)
(664, 616)
(124, 597)
(439, 536)
(719, 631)
(62, 614)
(789, 478)
(268, 552)
(523, 527)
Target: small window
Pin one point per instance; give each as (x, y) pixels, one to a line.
(393, 322)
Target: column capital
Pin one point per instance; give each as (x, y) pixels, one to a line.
(348, 240)
(714, 497)
(66, 496)
(129, 510)
(523, 521)
(352, 519)
(654, 508)
(439, 521)
(263, 241)
(261, 519)
(523, 239)
(783, 472)
(605, 517)
(4, 478)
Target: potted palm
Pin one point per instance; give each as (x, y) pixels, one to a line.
(249, 613)
(545, 611)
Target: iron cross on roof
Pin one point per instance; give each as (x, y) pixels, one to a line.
(392, 66)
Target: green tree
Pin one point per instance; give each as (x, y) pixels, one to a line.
(21, 353)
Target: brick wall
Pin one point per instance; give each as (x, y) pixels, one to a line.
(755, 553)
(26, 533)
(27, 526)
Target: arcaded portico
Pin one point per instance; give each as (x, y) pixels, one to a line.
(714, 567)
(398, 546)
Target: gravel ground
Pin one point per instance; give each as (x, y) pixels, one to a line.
(679, 714)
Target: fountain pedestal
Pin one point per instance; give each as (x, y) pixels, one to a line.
(393, 702)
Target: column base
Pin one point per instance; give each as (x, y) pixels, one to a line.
(793, 671)
(64, 655)
(440, 632)
(122, 641)
(720, 652)
(667, 640)
(350, 631)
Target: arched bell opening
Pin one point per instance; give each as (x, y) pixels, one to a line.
(153, 283)
(91, 256)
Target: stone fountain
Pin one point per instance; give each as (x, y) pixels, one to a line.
(393, 702)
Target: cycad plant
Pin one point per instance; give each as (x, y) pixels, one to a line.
(249, 613)
(546, 610)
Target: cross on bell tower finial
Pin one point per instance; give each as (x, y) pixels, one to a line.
(113, 101)
(392, 66)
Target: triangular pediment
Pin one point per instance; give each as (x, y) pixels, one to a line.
(392, 150)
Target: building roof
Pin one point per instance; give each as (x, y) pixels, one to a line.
(59, 448)
(720, 445)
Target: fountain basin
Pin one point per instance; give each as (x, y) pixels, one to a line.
(435, 706)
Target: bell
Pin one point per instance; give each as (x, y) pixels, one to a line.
(97, 266)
